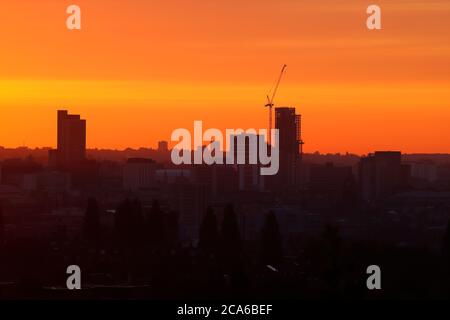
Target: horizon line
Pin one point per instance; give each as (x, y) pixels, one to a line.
(345, 153)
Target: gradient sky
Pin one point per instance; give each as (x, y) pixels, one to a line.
(139, 69)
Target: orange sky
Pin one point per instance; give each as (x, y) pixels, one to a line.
(139, 69)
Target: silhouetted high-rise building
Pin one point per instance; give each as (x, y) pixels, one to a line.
(139, 174)
(335, 184)
(190, 201)
(289, 125)
(71, 150)
(381, 174)
(249, 176)
(163, 146)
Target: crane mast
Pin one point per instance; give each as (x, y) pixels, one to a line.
(270, 103)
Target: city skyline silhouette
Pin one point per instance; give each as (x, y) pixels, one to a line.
(112, 186)
(358, 90)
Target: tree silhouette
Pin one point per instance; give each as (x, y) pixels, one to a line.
(272, 251)
(209, 235)
(230, 240)
(92, 222)
(446, 245)
(120, 221)
(2, 226)
(128, 224)
(331, 250)
(172, 229)
(155, 227)
(136, 223)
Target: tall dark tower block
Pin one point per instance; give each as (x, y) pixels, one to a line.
(289, 125)
(71, 150)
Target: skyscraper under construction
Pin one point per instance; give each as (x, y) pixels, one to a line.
(289, 125)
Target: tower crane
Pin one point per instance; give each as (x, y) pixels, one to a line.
(271, 100)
